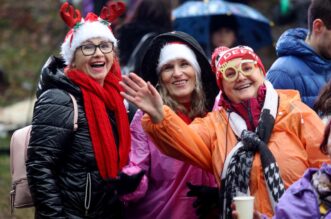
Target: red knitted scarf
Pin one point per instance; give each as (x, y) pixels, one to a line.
(96, 100)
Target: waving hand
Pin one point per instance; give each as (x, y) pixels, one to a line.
(143, 95)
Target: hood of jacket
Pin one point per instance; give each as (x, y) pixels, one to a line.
(151, 57)
(52, 77)
(292, 43)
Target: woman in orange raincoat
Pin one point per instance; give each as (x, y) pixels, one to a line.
(259, 142)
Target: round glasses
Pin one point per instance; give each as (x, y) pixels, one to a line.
(230, 70)
(89, 49)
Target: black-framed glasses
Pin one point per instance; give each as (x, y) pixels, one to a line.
(89, 49)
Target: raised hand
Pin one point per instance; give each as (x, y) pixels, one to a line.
(143, 95)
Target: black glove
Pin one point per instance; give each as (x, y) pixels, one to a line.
(125, 184)
(207, 199)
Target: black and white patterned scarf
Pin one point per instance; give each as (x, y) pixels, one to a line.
(321, 181)
(237, 167)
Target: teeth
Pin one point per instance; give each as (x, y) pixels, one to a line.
(243, 87)
(179, 82)
(97, 64)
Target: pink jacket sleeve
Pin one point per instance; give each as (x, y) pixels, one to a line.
(139, 157)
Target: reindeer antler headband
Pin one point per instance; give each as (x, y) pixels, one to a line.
(89, 27)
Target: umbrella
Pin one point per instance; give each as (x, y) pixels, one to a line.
(194, 18)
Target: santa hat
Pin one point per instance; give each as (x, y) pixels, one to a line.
(89, 27)
(223, 54)
(178, 50)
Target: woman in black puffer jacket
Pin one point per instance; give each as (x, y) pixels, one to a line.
(74, 174)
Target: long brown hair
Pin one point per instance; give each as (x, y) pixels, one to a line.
(324, 144)
(322, 104)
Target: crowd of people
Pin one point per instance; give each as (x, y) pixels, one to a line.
(181, 152)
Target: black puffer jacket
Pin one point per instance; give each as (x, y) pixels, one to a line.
(61, 167)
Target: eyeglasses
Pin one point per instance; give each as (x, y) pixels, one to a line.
(89, 49)
(230, 70)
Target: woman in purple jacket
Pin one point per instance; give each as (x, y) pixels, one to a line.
(310, 196)
(177, 65)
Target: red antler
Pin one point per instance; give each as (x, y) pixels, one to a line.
(70, 15)
(114, 10)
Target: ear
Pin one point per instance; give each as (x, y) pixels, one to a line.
(318, 26)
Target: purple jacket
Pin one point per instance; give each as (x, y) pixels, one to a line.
(300, 201)
(167, 177)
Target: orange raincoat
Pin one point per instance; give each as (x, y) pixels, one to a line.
(294, 142)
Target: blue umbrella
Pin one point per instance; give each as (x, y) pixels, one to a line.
(194, 18)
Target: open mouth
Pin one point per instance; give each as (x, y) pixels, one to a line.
(98, 65)
(179, 82)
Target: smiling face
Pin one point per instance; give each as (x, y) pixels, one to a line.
(243, 87)
(179, 78)
(97, 65)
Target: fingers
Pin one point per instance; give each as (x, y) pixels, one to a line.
(257, 215)
(192, 190)
(233, 206)
(196, 203)
(138, 80)
(191, 194)
(128, 98)
(133, 84)
(152, 89)
(128, 90)
(234, 214)
(189, 185)
(129, 85)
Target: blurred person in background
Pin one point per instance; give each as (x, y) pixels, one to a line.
(150, 17)
(258, 133)
(304, 56)
(223, 31)
(76, 174)
(177, 65)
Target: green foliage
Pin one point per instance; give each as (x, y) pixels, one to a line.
(30, 32)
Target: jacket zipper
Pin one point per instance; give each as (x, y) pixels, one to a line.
(88, 193)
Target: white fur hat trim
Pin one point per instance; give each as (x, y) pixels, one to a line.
(87, 30)
(174, 51)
